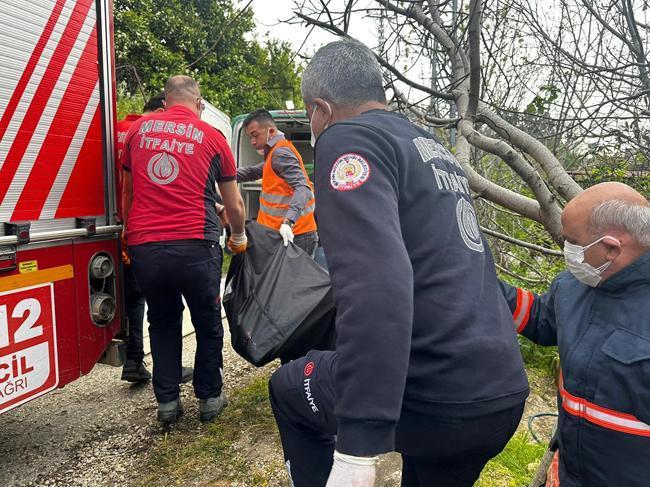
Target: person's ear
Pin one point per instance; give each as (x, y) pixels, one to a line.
(325, 109)
(613, 247)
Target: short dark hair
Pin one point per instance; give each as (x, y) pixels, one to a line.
(155, 103)
(261, 116)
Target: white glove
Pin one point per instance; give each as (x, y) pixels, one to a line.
(238, 238)
(349, 471)
(286, 233)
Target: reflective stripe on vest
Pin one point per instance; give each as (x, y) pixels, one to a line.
(272, 210)
(280, 212)
(521, 315)
(279, 199)
(607, 418)
(276, 198)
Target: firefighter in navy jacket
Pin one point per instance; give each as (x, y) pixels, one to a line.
(598, 314)
(427, 362)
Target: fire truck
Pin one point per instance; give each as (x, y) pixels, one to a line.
(60, 305)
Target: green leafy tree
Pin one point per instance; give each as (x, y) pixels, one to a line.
(209, 40)
(633, 173)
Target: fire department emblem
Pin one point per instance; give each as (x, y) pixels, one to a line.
(309, 369)
(162, 168)
(349, 172)
(468, 225)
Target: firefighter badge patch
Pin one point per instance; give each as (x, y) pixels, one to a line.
(162, 168)
(349, 172)
(468, 225)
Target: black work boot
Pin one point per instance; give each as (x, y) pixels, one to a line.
(211, 407)
(135, 372)
(170, 412)
(187, 374)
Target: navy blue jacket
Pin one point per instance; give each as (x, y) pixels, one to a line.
(603, 336)
(421, 322)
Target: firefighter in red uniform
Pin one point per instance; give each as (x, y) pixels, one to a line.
(287, 199)
(134, 368)
(172, 164)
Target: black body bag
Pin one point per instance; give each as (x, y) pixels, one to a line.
(278, 301)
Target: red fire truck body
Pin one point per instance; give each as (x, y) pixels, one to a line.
(60, 305)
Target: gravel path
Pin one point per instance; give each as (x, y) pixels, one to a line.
(95, 431)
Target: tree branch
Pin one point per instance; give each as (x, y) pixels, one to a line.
(522, 243)
(491, 191)
(341, 33)
(558, 178)
(474, 59)
(549, 210)
(221, 34)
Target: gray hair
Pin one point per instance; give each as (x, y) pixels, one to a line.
(345, 73)
(628, 216)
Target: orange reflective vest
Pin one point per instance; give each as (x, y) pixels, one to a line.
(277, 194)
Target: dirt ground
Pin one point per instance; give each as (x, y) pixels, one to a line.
(95, 431)
(100, 431)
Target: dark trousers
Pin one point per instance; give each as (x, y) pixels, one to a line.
(436, 451)
(167, 273)
(307, 242)
(134, 311)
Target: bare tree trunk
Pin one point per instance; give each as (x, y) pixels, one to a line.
(536, 166)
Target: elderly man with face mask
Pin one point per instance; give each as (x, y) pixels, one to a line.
(598, 314)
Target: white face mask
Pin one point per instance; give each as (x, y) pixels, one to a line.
(574, 256)
(313, 136)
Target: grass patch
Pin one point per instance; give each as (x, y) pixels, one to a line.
(224, 451)
(227, 258)
(515, 465)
